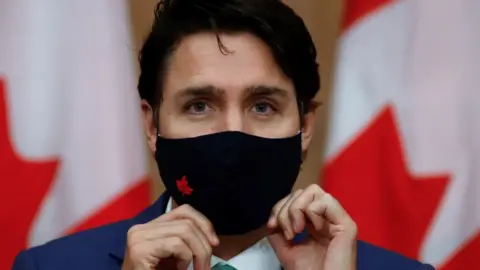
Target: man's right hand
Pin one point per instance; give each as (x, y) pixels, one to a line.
(182, 236)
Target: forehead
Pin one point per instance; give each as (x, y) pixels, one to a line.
(198, 61)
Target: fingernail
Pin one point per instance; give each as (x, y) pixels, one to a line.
(288, 234)
(296, 226)
(216, 241)
(271, 222)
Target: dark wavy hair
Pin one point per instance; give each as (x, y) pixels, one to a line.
(270, 20)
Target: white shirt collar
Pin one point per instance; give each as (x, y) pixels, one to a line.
(260, 256)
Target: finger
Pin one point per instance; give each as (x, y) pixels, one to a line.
(154, 252)
(283, 216)
(278, 242)
(272, 222)
(196, 241)
(153, 231)
(321, 235)
(181, 266)
(187, 212)
(297, 210)
(177, 248)
(179, 226)
(331, 209)
(188, 231)
(317, 221)
(300, 208)
(336, 220)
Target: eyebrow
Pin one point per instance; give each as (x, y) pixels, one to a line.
(201, 91)
(262, 90)
(211, 91)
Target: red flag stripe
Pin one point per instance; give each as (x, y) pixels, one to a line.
(357, 9)
(466, 257)
(357, 178)
(124, 206)
(20, 198)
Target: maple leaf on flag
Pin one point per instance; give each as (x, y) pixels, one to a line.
(24, 186)
(392, 208)
(183, 187)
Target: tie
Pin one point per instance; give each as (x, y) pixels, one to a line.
(223, 266)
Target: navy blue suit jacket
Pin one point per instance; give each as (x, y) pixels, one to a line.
(103, 248)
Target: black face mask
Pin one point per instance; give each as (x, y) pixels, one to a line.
(233, 178)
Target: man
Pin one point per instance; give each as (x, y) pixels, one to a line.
(227, 90)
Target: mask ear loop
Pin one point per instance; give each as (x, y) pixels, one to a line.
(155, 120)
(301, 110)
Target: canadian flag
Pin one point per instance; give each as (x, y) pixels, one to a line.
(403, 151)
(71, 146)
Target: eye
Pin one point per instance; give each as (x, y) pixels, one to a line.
(198, 107)
(263, 107)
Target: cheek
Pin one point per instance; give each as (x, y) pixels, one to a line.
(280, 127)
(177, 126)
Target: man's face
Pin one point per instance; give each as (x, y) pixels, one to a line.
(206, 91)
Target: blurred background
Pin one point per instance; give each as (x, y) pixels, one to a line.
(397, 138)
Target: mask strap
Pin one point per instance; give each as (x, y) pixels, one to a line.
(155, 120)
(301, 110)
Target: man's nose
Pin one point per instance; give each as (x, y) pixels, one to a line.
(233, 120)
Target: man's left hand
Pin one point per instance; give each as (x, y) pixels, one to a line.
(332, 240)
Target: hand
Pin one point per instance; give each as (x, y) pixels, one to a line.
(331, 244)
(171, 241)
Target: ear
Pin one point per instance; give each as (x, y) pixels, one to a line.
(308, 126)
(149, 125)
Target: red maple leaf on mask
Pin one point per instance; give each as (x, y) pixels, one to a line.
(183, 186)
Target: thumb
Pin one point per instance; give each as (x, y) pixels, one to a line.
(278, 241)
